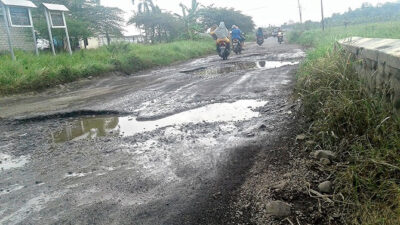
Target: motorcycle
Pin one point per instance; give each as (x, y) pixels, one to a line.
(236, 45)
(280, 39)
(260, 40)
(223, 50)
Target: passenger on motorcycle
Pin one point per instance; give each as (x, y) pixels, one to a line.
(220, 34)
(237, 34)
(212, 31)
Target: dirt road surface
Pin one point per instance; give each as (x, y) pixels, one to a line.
(167, 146)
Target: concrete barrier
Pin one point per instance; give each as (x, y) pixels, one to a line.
(378, 64)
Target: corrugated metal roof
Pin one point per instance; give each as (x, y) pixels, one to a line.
(55, 7)
(21, 3)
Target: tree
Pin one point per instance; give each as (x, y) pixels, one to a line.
(147, 6)
(158, 26)
(366, 5)
(210, 16)
(101, 18)
(189, 18)
(143, 18)
(86, 18)
(366, 14)
(77, 29)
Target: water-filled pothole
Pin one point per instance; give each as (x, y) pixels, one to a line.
(92, 127)
(238, 66)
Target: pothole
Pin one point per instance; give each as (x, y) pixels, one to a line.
(92, 127)
(238, 66)
(296, 54)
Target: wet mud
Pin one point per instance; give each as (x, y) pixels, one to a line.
(232, 67)
(92, 127)
(167, 146)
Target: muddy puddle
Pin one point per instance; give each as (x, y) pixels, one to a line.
(239, 66)
(92, 127)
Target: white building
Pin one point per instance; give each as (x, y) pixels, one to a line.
(101, 40)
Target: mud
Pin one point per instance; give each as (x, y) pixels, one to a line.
(92, 127)
(10, 162)
(232, 67)
(166, 146)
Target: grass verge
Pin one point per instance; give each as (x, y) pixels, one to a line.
(323, 40)
(31, 73)
(360, 127)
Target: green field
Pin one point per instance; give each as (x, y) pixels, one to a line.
(319, 38)
(31, 73)
(360, 127)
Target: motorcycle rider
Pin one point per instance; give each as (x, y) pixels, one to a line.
(220, 34)
(259, 33)
(237, 34)
(280, 36)
(280, 33)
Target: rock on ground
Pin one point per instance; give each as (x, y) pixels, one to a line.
(301, 137)
(278, 209)
(325, 161)
(325, 187)
(324, 154)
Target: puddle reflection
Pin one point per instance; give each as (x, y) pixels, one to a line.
(239, 66)
(274, 64)
(87, 128)
(92, 127)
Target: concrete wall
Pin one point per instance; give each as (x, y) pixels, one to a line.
(378, 64)
(21, 37)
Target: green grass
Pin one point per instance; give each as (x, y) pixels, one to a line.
(362, 128)
(318, 38)
(31, 73)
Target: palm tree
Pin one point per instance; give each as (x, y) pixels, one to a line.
(147, 7)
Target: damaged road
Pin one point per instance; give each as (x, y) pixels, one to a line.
(167, 146)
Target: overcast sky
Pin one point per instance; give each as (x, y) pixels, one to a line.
(264, 12)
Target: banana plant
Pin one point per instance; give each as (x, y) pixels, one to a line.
(189, 17)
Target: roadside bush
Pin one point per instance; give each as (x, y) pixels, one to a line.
(133, 63)
(31, 73)
(116, 48)
(294, 36)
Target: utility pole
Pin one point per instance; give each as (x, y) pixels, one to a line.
(322, 14)
(301, 16)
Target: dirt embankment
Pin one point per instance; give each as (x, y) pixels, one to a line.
(289, 184)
